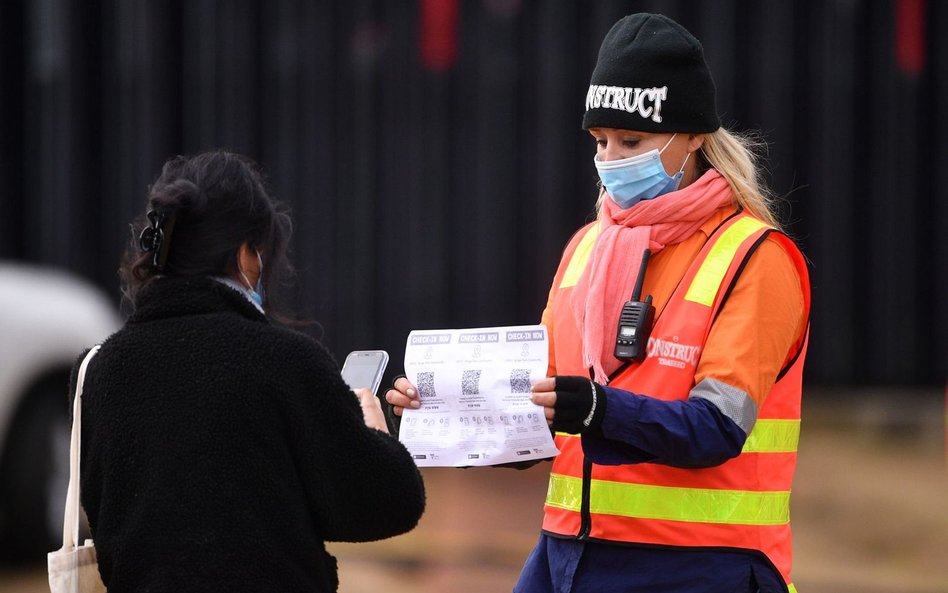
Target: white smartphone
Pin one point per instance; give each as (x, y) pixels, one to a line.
(364, 368)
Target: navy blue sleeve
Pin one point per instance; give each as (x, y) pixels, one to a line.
(682, 433)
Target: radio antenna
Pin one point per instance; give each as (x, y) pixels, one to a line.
(637, 291)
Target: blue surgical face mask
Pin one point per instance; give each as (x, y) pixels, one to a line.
(641, 177)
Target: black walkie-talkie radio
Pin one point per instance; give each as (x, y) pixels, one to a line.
(635, 321)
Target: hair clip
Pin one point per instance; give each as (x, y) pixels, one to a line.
(152, 238)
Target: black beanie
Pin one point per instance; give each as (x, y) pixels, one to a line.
(651, 76)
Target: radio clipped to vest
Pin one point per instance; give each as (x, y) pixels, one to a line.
(635, 321)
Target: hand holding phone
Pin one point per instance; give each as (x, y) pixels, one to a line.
(364, 369)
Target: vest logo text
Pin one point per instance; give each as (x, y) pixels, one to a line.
(673, 354)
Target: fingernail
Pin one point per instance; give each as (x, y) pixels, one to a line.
(415, 404)
(410, 392)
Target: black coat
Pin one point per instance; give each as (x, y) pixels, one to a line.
(219, 451)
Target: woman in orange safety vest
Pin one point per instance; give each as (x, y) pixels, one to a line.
(676, 410)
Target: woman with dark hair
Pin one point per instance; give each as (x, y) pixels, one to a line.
(204, 191)
(220, 451)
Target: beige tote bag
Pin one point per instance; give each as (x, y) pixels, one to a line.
(72, 568)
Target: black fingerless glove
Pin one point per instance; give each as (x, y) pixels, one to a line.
(394, 422)
(580, 405)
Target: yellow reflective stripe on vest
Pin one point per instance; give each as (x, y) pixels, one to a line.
(791, 588)
(577, 263)
(705, 285)
(693, 505)
(564, 492)
(773, 436)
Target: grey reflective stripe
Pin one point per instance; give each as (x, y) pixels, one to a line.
(733, 403)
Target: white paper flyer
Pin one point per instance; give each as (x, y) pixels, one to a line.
(474, 386)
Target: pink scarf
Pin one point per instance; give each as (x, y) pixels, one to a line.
(607, 281)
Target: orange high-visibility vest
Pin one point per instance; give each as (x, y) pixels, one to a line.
(742, 503)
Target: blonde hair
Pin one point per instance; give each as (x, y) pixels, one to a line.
(737, 158)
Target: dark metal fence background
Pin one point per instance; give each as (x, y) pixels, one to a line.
(432, 154)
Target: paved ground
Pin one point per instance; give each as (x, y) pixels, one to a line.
(870, 512)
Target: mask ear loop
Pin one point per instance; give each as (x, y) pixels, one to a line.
(244, 276)
(259, 274)
(682, 169)
(246, 280)
(667, 143)
(687, 156)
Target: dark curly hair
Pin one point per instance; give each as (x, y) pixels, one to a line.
(206, 207)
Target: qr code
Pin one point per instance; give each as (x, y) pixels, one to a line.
(520, 381)
(470, 382)
(426, 385)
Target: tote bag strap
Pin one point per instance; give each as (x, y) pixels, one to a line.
(71, 515)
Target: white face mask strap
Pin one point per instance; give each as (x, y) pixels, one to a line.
(244, 276)
(687, 156)
(667, 143)
(260, 272)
